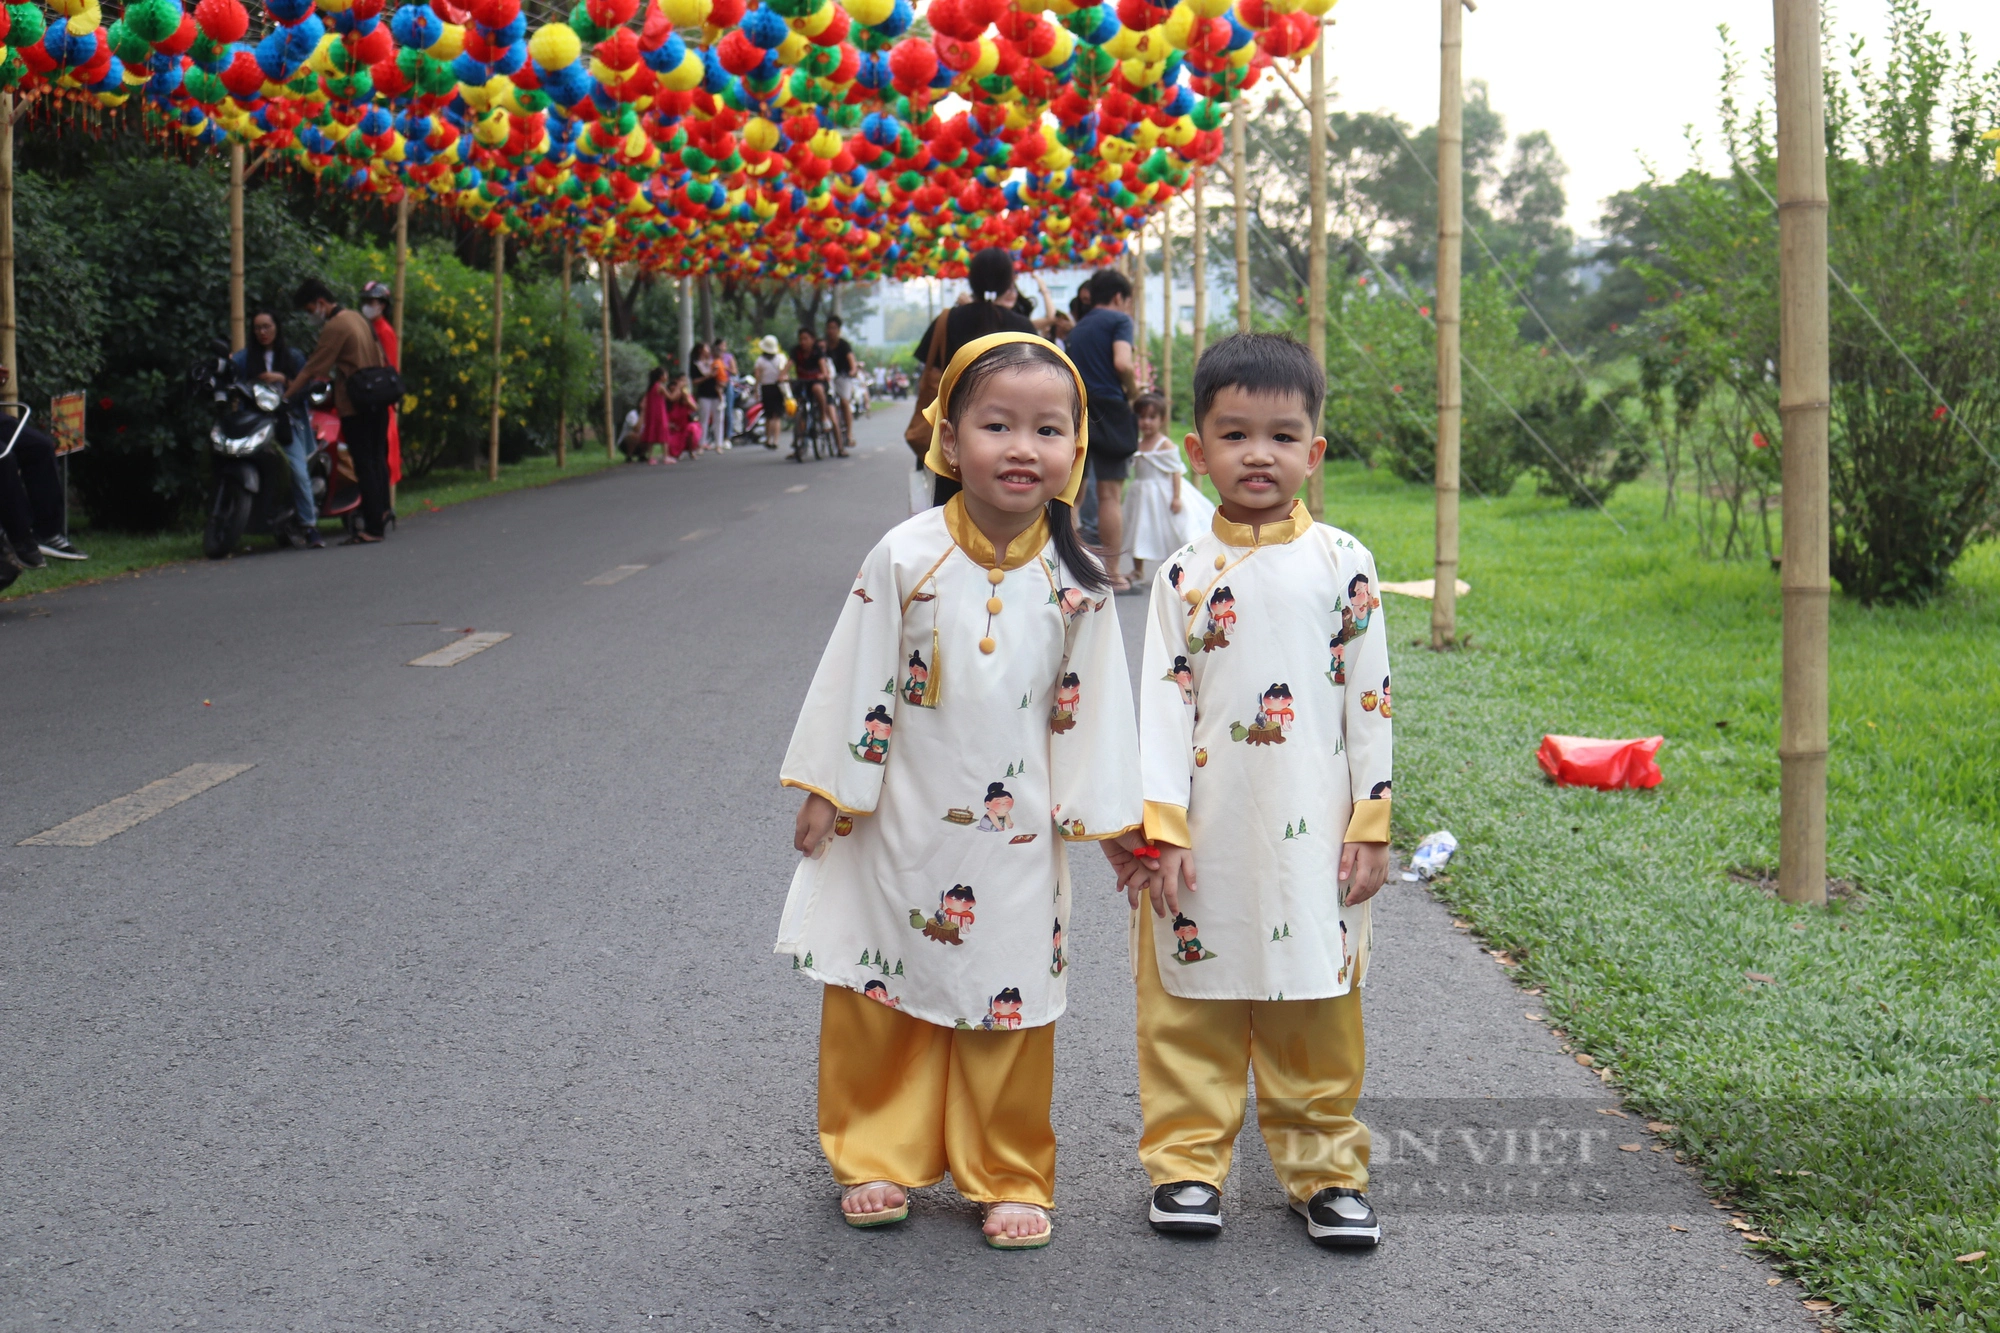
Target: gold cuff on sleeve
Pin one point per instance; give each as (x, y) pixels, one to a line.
(826, 796)
(1369, 824)
(1167, 823)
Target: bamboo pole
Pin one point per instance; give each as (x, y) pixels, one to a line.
(562, 406)
(238, 338)
(499, 350)
(402, 264)
(1139, 304)
(396, 296)
(1167, 310)
(606, 272)
(9, 351)
(1239, 170)
(1316, 248)
(1804, 393)
(687, 325)
(1200, 267)
(1451, 243)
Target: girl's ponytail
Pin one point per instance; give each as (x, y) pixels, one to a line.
(1075, 556)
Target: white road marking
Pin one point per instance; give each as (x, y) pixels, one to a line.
(611, 576)
(454, 653)
(794, 490)
(114, 817)
(757, 508)
(698, 534)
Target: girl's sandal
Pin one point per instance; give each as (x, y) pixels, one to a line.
(881, 1217)
(1033, 1242)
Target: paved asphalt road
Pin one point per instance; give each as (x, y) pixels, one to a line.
(458, 1010)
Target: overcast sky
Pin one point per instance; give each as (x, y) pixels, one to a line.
(1612, 80)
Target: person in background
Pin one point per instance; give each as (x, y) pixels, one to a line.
(810, 373)
(31, 499)
(708, 398)
(683, 432)
(268, 359)
(769, 372)
(715, 432)
(725, 375)
(1101, 347)
(653, 423)
(346, 344)
(845, 371)
(375, 309)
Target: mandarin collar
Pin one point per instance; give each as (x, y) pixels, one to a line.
(1294, 525)
(974, 543)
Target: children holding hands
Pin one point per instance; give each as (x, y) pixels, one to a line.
(978, 663)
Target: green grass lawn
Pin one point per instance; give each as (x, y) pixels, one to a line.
(1847, 1105)
(115, 553)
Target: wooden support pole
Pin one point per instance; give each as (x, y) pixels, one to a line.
(238, 336)
(1451, 245)
(1239, 183)
(402, 265)
(1139, 304)
(9, 349)
(1316, 248)
(607, 272)
(1804, 394)
(687, 326)
(562, 407)
(499, 351)
(1200, 267)
(1167, 329)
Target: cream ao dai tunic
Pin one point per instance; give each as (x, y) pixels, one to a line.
(945, 888)
(1265, 744)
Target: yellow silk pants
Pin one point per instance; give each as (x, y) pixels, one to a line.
(1194, 1060)
(903, 1100)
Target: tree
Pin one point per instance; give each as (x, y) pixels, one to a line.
(1913, 233)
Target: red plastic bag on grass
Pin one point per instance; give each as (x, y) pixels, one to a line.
(1581, 761)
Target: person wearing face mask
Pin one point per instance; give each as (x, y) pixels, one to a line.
(375, 309)
(270, 359)
(347, 344)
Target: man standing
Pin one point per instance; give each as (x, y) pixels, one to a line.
(1101, 347)
(841, 353)
(346, 344)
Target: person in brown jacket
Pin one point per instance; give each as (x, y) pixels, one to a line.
(347, 344)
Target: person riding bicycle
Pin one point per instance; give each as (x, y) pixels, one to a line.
(846, 374)
(811, 372)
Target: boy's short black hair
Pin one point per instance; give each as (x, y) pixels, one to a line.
(1258, 363)
(1107, 285)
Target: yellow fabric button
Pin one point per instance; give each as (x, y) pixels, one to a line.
(993, 576)
(1192, 596)
(987, 645)
(1220, 562)
(993, 605)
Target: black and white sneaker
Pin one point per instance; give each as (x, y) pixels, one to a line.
(29, 557)
(1340, 1217)
(59, 547)
(1188, 1207)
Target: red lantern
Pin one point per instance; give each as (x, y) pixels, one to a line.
(912, 65)
(241, 76)
(224, 21)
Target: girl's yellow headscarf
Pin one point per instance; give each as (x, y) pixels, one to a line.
(972, 351)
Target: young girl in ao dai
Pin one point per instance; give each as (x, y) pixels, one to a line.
(972, 716)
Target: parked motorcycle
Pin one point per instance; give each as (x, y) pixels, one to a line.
(253, 478)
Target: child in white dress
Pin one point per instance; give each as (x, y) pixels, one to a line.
(1164, 509)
